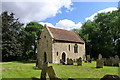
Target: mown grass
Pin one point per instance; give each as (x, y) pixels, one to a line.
(28, 70)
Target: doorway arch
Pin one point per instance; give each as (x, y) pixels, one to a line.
(63, 56)
(45, 57)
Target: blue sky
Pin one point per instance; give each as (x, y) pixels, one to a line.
(63, 14)
(80, 11)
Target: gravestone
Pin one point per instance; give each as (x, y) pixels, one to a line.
(79, 61)
(92, 59)
(44, 68)
(116, 61)
(112, 60)
(99, 63)
(74, 60)
(51, 73)
(61, 61)
(88, 58)
(69, 61)
(99, 56)
(108, 62)
(43, 73)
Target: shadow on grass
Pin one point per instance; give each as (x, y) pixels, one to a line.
(30, 61)
(36, 68)
(33, 78)
(25, 62)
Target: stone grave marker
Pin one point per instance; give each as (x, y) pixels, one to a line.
(88, 58)
(99, 63)
(69, 61)
(51, 73)
(108, 62)
(79, 61)
(61, 61)
(44, 68)
(116, 61)
(99, 56)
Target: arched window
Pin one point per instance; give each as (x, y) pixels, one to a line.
(75, 48)
(57, 53)
(69, 47)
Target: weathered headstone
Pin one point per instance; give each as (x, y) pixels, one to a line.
(99, 56)
(92, 59)
(74, 60)
(43, 73)
(108, 62)
(88, 58)
(69, 61)
(61, 61)
(99, 63)
(51, 73)
(44, 68)
(79, 61)
(116, 61)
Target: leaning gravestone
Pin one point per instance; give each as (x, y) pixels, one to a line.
(99, 63)
(51, 73)
(99, 56)
(69, 61)
(79, 61)
(44, 68)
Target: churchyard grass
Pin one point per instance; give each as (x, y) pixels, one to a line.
(28, 70)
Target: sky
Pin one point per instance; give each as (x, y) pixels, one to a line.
(65, 14)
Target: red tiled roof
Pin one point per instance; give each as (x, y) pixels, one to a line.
(64, 35)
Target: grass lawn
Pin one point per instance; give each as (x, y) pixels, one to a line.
(28, 70)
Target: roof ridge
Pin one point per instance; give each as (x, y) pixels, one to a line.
(60, 29)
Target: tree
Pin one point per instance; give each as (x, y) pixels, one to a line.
(30, 32)
(11, 47)
(102, 36)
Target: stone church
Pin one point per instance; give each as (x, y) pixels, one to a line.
(54, 44)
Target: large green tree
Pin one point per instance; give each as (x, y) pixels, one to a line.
(102, 36)
(11, 47)
(30, 34)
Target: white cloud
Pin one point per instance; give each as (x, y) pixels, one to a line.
(101, 11)
(29, 11)
(67, 24)
(64, 24)
(48, 24)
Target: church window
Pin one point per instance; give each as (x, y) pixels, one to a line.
(69, 47)
(57, 53)
(75, 48)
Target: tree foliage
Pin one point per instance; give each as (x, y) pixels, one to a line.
(11, 47)
(102, 36)
(18, 43)
(30, 33)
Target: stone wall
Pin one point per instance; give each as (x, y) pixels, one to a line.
(44, 46)
(62, 47)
